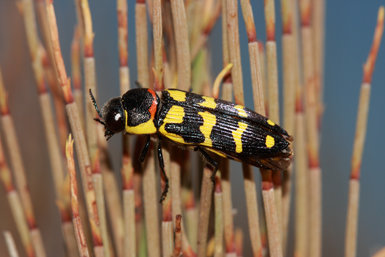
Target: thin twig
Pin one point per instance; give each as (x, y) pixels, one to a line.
(218, 204)
(76, 71)
(318, 24)
(239, 242)
(38, 54)
(225, 169)
(362, 118)
(226, 187)
(15, 205)
(178, 237)
(142, 43)
(125, 239)
(150, 201)
(12, 250)
(167, 225)
(18, 169)
(288, 60)
(204, 211)
(79, 231)
(182, 44)
(315, 217)
(77, 130)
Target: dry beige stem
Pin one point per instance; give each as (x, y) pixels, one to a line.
(158, 43)
(129, 248)
(204, 211)
(226, 188)
(73, 116)
(318, 24)
(178, 237)
(271, 57)
(38, 55)
(182, 44)
(362, 117)
(8, 128)
(98, 184)
(225, 170)
(273, 228)
(301, 192)
(21, 222)
(15, 205)
(150, 201)
(167, 223)
(219, 224)
(167, 238)
(76, 72)
(125, 239)
(313, 144)
(79, 232)
(142, 43)
(69, 238)
(289, 62)
(12, 250)
(233, 44)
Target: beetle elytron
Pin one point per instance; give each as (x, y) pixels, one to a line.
(203, 123)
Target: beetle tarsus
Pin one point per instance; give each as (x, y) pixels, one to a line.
(161, 165)
(210, 160)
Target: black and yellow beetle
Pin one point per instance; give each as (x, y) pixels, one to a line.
(203, 123)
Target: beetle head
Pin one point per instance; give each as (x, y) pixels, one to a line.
(111, 116)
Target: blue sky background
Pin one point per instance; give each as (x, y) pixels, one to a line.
(349, 33)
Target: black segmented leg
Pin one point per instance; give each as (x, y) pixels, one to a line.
(210, 160)
(145, 149)
(161, 164)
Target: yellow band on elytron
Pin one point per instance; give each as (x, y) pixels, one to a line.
(209, 121)
(209, 102)
(177, 95)
(241, 110)
(237, 135)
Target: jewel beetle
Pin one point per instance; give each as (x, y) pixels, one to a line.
(202, 123)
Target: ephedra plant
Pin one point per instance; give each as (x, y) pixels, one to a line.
(115, 211)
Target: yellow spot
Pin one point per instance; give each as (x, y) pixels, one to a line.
(241, 110)
(269, 141)
(177, 95)
(147, 127)
(174, 115)
(209, 121)
(237, 135)
(270, 122)
(209, 102)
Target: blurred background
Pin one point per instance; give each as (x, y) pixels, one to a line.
(349, 32)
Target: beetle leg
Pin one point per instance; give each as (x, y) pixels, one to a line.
(210, 160)
(145, 149)
(161, 164)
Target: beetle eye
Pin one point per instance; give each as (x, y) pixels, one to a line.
(118, 116)
(114, 121)
(113, 117)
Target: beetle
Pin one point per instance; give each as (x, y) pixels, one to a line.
(205, 124)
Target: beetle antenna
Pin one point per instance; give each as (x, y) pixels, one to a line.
(96, 106)
(138, 85)
(100, 121)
